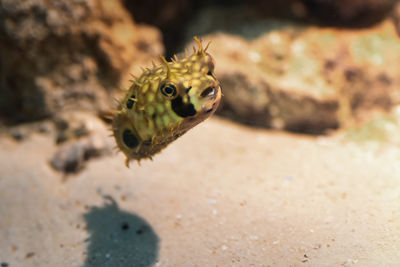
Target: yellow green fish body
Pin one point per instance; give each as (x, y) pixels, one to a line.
(165, 102)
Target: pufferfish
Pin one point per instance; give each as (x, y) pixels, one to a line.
(165, 102)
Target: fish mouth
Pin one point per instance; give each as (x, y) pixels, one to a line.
(212, 108)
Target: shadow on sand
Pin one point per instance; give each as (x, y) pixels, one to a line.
(118, 238)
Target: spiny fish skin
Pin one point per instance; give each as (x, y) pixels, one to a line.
(165, 102)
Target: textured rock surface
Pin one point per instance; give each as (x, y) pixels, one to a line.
(67, 54)
(308, 78)
(221, 195)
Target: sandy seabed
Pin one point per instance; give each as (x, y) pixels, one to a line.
(221, 195)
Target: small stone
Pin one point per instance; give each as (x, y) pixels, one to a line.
(69, 158)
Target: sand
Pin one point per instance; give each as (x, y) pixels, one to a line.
(221, 195)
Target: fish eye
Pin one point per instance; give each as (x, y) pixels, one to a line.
(168, 89)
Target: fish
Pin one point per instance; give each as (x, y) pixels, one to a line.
(164, 102)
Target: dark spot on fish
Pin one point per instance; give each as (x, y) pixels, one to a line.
(130, 139)
(182, 109)
(209, 73)
(130, 102)
(188, 89)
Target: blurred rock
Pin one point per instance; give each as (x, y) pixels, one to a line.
(264, 85)
(74, 125)
(396, 17)
(21, 132)
(348, 13)
(241, 20)
(381, 128)
(81, 136)
(69, 159)
(18, 133)
(308, 79)
(58, 55)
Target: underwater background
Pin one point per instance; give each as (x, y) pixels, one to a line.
(298, 167)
